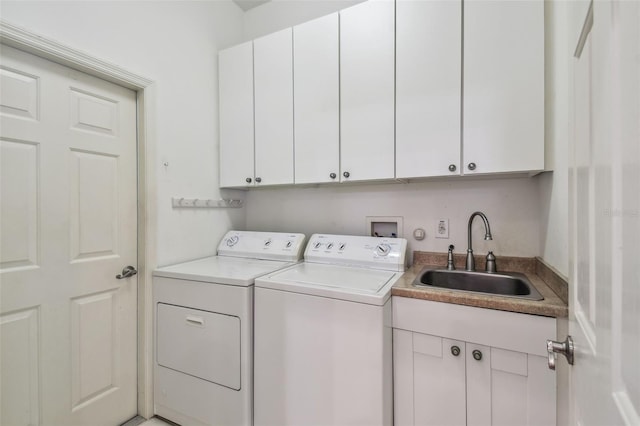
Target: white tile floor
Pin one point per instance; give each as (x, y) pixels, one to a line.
(154, 421)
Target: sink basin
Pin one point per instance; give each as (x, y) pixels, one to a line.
(512, 284)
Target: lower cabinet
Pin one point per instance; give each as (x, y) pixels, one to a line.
(439, 380)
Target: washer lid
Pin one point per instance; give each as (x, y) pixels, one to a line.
(222, 270)
(338, 282)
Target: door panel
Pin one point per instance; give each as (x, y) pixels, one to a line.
(19, 367)
(316, 100)
(367, 117)
(69, 225)
(428, 87)
(19, 210)
(273, 79)
(605, 199)
(236, 115)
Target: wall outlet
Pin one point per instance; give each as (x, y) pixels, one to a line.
(442, 229)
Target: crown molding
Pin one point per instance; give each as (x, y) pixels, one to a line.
(28, 41)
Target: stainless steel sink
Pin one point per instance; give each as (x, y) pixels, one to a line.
(510, 284)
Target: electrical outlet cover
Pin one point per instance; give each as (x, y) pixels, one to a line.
(442, 229)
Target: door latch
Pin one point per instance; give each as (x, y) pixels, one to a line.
(565, 348)
(127, 272)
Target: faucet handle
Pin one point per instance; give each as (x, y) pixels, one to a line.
(450, 265)
(491, 263)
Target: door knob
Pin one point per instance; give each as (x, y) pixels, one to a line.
(127, 272)
(565, 348)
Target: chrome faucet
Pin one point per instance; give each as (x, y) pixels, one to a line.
(471, 264)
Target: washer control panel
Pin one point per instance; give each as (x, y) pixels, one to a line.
(368, 252)
(262, 245)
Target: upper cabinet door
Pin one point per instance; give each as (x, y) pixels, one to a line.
(503, 116)
(367, 148)
(236, 115)
(428, 85)
(273, 67)
(317, 100)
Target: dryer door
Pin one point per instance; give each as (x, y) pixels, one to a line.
(199, 343)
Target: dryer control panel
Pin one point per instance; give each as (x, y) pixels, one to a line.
(351, 250)
(262, 245)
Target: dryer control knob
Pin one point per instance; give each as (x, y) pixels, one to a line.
(232, 241)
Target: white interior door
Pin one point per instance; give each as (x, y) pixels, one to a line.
(605, 217)
(68, 226)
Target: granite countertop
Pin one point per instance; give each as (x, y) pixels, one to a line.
(551, 285)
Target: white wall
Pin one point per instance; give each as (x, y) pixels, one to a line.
(512, 206)
(554, 186)
(174, 43)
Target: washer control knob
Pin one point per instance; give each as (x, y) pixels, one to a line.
(317, 245)
(342, 246)
(232, 241)
(329, 246)
(267, 243)
(288, 244)
(383, 249)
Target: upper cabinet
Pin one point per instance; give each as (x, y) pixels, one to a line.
(428, 87)
(317, 100)
(367, 80)
(387, 90)
(236, 116)
(273, 78)
(503, 86)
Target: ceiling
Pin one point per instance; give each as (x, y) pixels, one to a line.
(249, 4)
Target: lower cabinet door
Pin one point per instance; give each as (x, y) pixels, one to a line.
(439, 381)
(430, 380)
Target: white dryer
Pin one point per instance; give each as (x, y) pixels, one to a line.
(323, 334)
(203, 370)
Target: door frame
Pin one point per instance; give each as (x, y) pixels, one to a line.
(54, 51)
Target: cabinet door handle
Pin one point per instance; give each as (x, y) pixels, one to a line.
(452, 167)
(477, 355)
(258, 179)
(248, 180)
(346, 174)
(455, 350)
(472, 166)
(332, 175)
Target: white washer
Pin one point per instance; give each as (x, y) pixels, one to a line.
(323, 334)
(203, 370)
